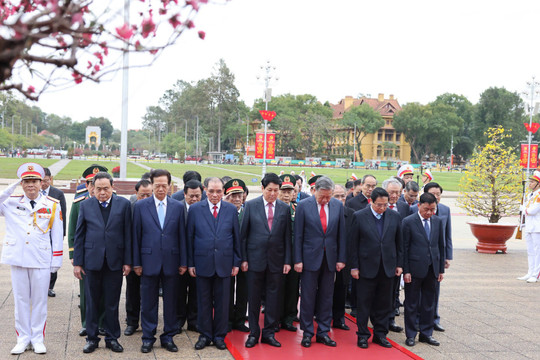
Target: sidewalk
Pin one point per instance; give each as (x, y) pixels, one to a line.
(486, 312)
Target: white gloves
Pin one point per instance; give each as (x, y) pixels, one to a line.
(54, 269)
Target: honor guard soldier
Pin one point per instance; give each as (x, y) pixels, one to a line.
(531, 228)
(234, 192)
(33, 248)
(406, 173)
(88, 175)
(311, 182)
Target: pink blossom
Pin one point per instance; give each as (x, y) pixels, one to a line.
(194, 4)
(190, 24)
(202, 34)
(148, 26)
(31, 89)
(77, 77)
(174, 21)
(125, 32)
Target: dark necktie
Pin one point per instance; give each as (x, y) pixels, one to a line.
(215, 212)
(323, 219)
(426, 227)
(270, 216)
(33, 203)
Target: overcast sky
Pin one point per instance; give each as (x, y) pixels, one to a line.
(415, 50)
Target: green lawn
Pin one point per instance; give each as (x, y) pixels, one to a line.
(75, 168)
(9, 166)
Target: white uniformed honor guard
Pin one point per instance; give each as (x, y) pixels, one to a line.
(531, 228)
(32, 221)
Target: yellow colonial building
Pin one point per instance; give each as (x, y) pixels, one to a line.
(386, 144)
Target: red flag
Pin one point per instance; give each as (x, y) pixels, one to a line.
(267, 115)
(533, 128)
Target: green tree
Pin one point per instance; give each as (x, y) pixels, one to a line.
(59, 126)
(367, 121)
(77, 132)
(412, 122)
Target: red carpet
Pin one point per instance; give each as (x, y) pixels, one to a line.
(291, 349)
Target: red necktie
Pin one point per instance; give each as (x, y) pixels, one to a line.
(323, 219)
(215, 211)
(391, 207)
(270, 216)
(369, 201)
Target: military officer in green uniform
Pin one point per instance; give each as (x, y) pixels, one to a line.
(234, 193)
(88, 175)
(291, 281)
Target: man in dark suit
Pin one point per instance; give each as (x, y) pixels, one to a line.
(266, 255)
(188, 175)
(301, 195)
(360, 201)
(213, 257)
(410, 194)
(442, 212)
(355, 189)
(423, 267)
(48, 190)
(394, 189)
(342, 278)
(102, 252)
(319, 251)
(376, 258)
(143, 190)
(187, 293)
(159, 255)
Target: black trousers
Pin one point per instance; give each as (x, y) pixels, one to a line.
(213, 306)
(104, 283)
(420, 291)
(269, 282)
(374, 301)
(133, 299)
(187, 300)
(340, 294)
(54, 276)
(238, 303)
(290, 293)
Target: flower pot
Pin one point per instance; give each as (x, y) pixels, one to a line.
(491, 237)
(115, 175)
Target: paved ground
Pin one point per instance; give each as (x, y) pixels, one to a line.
(486, 312)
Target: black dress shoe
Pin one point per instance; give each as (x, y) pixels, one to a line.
(362, 343)
(102, 332)
(170, 346)
(326, 340)
(220, 344)
(147, 347)
(82, 332)
(90, 346)
(296, 319)
(202, 343)
(428, 340)
(270, 340)
(277, 329)
(51, 293)
(241, 327)
(289, 327)
(353, 313)
(396, 312)
(306, 341)
(395, 327)
(192, 327)
(114, 345)
(382, 342)
(130, 330)
(340, 325)
(438, 327)
(251, 341)
(410, 342)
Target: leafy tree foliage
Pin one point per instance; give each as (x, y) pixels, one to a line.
(367, 121)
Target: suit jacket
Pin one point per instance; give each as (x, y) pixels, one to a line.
(303, 196)
(262, 247)
(368, 248)
(358, 202)
(95, 240)
(59, 195)
(349, 221)
(213, 244)
(183, 202)
(403, 209)
(418, 249)
(310, 240)
(443, 212)
(157, 249)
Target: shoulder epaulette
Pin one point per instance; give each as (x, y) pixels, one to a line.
(79, 199)
(53, 199)
(84, 189)
(17, 195)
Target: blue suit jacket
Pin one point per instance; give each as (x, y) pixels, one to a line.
(443, 212)
(310, 240)
(213, 244)
(95, 240)
(154, 248)
(417, 248)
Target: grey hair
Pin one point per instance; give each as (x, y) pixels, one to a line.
(412, 185)
(341, 186)
(324, 183)
(390, 181)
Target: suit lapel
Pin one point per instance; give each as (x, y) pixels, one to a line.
(151, 206)
(97, 210)
(315, 208)
(262, 212)
(372, 225)
(421, 228)
(169, 212)
(333, 216)
(386, 218)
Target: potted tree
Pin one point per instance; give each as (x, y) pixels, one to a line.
(491, 188)
(116, 171)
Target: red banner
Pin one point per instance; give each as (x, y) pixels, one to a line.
(270, 146)
(525, 155)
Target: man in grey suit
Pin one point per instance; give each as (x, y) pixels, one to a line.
(265, 233)
(423, 267)
(319, 251)
(48, 190)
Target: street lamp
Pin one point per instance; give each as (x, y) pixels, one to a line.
(268, 74)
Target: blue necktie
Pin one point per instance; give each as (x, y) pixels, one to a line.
(161, 213)
(104, 204)
(378, 216)
(426, 227)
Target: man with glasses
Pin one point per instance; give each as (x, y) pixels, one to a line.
(360, 201)
(376, 258)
